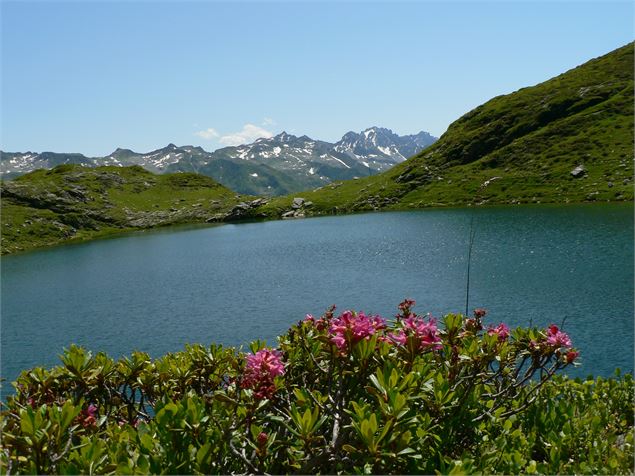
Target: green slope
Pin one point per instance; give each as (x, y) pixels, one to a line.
(72, 202)
(516, 148)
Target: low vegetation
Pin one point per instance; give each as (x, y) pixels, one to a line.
(73, 203)
(346, 393)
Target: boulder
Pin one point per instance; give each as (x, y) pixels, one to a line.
(258, 202)
(578, 172)
(297, 202)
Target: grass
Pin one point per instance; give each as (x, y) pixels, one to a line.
(517, 148)
(74, 203)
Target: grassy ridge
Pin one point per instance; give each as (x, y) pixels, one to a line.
(72, 202)
(516, 148)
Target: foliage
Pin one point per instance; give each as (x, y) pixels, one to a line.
(341, 394)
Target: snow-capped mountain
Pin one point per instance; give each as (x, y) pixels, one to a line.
(281, 164)
(381, 148)
(13, 164)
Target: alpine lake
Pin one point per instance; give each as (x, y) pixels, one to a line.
(230, 284)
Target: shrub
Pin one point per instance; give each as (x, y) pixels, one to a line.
(341, 394)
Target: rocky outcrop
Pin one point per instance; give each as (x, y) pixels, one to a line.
(298, 208)
(240, 211)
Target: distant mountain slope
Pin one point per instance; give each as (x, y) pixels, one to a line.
(567, 139)
(72, 202)
(274, 166)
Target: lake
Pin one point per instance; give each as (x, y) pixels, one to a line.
(156, 291)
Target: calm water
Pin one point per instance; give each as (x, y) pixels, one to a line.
(233, 283)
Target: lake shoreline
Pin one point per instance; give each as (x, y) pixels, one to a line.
(119, 232)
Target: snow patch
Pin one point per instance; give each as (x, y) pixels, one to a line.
(341, 162)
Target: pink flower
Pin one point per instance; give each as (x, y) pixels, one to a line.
(501, 330)
(556, 338)
(260, 370)
(424, 333)
(571, 355)
(406, 304)
(91, 410)
(88, 417)
(349, 328)
(480, 313)
(320, 324)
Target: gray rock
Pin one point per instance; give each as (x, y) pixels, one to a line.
(609, 185)
(578, 172)
(289, 214)
(258, 202)
(297, 202)
(242, 206)
(308, 204)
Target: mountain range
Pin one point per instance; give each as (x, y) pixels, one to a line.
(277, 165)
(568, 139)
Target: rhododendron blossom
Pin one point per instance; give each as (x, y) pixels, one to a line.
(501, 330)
(571, 355)
(88, 417)
(406, 304)
(262, 367)
(320, 324)
(424, 333)
(480, 313)
(557, 338)
(350, 328)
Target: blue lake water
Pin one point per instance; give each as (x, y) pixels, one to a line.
(157, 291)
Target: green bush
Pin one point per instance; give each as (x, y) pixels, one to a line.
(341, 394)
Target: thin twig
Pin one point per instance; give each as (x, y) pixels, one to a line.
(469, 261)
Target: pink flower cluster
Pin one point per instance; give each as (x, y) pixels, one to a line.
(320, 324)
(88, 417)
(262, 367)
(424, 333)
(557, 338)
(349, 328)
(571, 355)
(501, 330)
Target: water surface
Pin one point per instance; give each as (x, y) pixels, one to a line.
(234, 283)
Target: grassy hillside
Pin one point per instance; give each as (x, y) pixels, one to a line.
(516, 148)
(71, 202)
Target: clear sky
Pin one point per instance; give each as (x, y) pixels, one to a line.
(92, 76)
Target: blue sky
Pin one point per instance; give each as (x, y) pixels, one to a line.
(92, 76)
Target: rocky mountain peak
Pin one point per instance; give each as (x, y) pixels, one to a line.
(284, 137)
